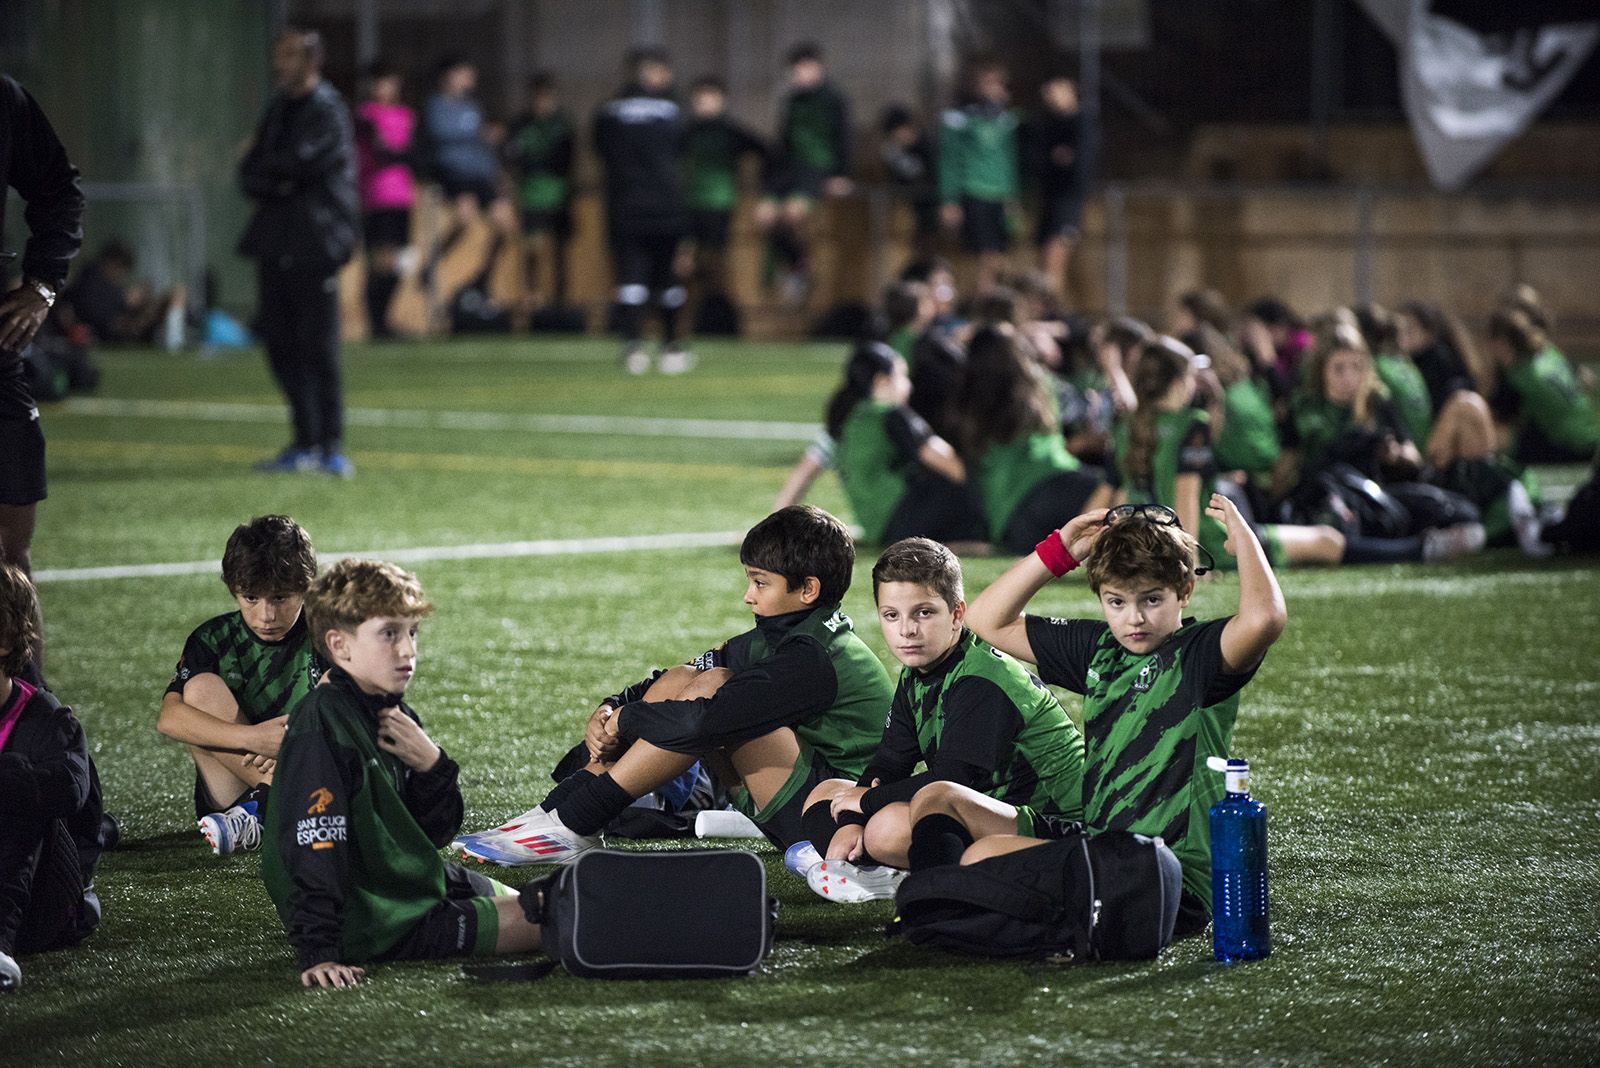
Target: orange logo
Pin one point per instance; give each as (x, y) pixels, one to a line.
(321, 798)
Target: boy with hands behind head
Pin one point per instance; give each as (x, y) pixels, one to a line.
(365, 799)
(1161, 692)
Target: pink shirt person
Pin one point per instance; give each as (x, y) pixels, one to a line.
(386, 185)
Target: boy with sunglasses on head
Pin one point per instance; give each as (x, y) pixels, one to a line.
(1161, 692)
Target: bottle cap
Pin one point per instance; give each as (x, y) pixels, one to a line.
(1236, 772)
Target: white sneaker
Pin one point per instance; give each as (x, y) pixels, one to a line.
(840, 880)
(236, 828)
(1447, 543)
(543, 840)
(676, 360)
(461, 841)
(10, 973)
(635, 360)
(1525, 522)
(801, 858)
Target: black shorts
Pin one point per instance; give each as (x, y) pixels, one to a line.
(1060, 215)
(644, 260)
(984, 226)
(483, 190)
(451, 928)
(389, 228)
(1047, 506)
(556, 222)
(796, 179)
(22, 469)
(780, 820)
(934, 507)
(709, 229)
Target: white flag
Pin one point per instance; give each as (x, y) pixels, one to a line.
(1468, 95)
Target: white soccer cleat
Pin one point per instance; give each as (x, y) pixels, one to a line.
(840, 880)
(1448, 543)
(635, 360)
(544, 840)
(235, 828)
(676, 360)
(461, 841)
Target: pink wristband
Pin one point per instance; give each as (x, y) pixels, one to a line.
(1055, 555)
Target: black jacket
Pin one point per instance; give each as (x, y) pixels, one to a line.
(35, 165)
(638, 136)
(301, 172)
(46, 774)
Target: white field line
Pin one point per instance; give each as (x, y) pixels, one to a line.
(490, 550)
(416, 419)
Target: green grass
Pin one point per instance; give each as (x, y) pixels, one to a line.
(1426, 739)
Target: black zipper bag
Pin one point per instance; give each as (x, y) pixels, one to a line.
(1111, 896)
(677, 914)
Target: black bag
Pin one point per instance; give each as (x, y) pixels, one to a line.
(681, 914)
(1111, 896)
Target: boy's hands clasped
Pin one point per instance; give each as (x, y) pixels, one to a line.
(402, 736)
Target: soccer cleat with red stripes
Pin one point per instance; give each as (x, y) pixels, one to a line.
(840, 880)
(541, 839)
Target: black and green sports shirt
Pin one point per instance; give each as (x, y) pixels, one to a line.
(981, 719)
(1150, 720)
(266, 678)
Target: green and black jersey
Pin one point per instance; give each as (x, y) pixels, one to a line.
(978, 154)
(540, 154)
(981, 719)
(877, 451)
(1249, 438)
(712, 149)
(1182, 447)
(808, 671)
(1009, 470)
(1150, 720)
(816, 131)
(1553, 404)
(350, 844)
(266, 678)
(1326, 433)
(1409, 393)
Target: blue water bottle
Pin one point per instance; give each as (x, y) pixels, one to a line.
(1239, 928)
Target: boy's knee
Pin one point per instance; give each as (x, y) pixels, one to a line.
(827, 790)
(934, 798)
(705, 683)
(1332, 543)
(888, 832)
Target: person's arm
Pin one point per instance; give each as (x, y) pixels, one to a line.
(981, 725)
(996, 615)
(1262, 614)
(789, 687)
(1196, 469)
(915, 439)
(939, 456)
(48, 184)
(899, 751)
(315, 782)
(182, 722)
(1123, 398)
(432, 789)
(817, 458)
(841, 136)
(53, 781)
(563, 153)
(951, 166)
(321, 144)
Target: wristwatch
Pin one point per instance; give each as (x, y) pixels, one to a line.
(46, 292)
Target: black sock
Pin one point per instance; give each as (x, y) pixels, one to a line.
(1359, 549)
(559, 793)
(818, 824)
(258, 794)
(592, 805)
(937, 840)
(380, 292)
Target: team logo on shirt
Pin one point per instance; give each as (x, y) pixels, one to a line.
(320, 799)
(1147, 674)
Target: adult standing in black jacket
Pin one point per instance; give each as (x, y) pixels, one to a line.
(33, 163)
(301, 171)
(639, 135)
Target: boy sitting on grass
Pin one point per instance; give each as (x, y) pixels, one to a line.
(1161, 692)
(240, 674)
(50, 838)
(975, 715)
(365, 798)
(796, 701)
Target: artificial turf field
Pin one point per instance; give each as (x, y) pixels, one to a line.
(1426, 738)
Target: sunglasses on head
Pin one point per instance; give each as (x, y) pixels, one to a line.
(1161, 516)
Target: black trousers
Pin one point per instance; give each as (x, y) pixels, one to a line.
(298, 317)
(43, 902)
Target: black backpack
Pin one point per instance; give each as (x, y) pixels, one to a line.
(1111, 896)
(675, 914)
